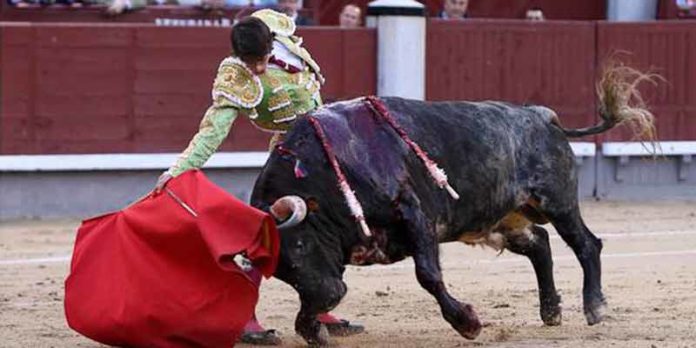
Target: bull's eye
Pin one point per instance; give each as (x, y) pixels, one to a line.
(300, 247)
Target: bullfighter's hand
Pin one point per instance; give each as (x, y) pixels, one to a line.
(162, 181)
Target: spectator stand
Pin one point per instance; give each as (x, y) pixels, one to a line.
(327, 11)
(165, 15)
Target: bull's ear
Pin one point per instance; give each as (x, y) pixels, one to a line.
(312, 204)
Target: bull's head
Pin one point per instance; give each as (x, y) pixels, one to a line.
(315, 226)
(311, 256)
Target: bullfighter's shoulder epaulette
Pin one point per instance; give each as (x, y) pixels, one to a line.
(279, 23)
(237, 84)
(284, 27)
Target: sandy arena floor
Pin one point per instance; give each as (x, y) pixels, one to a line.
(649, 263)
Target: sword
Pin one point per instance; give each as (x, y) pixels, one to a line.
(181, 202)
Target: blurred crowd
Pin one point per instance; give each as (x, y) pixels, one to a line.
(290, 7)
(351, 15)
(687, 8)
(458, 10)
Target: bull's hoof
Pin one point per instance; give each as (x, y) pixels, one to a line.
(552, 319)
(552, 316)
(467, 322)
(550, 309)
(261, 338)
(320, 338)
(344, 328)
(595, 313)
(472, 331)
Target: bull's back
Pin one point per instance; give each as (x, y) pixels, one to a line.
(489, 151)
(492, 152)
(474, 138)
(486, 127)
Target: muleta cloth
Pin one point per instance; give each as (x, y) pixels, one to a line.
(160, 273)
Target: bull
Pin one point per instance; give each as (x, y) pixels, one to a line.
(510, 169)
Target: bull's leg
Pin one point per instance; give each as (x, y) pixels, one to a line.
(307, 326)
(323, 296)
(426, 257)
(536, 247)
(587, 248)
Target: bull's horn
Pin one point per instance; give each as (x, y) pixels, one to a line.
(282, 207)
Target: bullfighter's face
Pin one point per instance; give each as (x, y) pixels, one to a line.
(257, 65)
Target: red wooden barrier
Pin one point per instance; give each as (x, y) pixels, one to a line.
(550, 63)
(140, 88)
(347, 58)
(134, 88)
(667, 48)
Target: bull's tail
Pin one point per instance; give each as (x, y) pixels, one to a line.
(621, 102)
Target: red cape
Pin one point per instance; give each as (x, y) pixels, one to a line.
(154, 275)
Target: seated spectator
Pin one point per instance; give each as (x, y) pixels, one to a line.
(687, 8)
(291, 8)
(686, 4)
(119, 6)
(454, 9)
(116, 7)
(255, 3)
(20, 3)
(535, 14)
(350, 17)
(31, 3)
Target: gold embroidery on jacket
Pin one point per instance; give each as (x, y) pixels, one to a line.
(236, 82)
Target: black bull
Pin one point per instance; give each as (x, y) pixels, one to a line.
(512, 167)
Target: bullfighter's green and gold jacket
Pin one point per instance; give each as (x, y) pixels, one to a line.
(272, 100)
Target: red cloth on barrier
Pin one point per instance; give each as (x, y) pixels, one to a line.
(153, 275)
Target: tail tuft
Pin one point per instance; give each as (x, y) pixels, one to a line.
(620, 100)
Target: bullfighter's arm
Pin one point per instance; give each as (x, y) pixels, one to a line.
(212, 131)
(235, 88)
